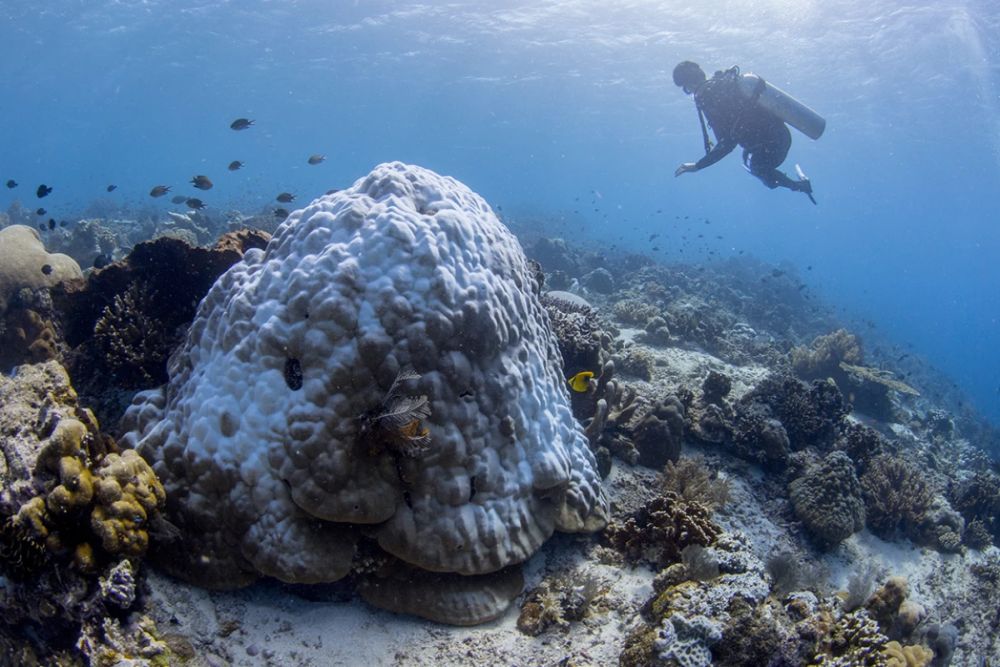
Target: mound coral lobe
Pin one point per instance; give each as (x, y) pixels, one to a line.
(258, 434)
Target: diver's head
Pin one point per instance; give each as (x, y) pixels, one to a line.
(688, 76)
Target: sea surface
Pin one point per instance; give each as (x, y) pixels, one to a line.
(558, 110)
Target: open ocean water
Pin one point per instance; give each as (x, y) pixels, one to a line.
(536, 105)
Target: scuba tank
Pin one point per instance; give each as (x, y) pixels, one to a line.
(782, 105)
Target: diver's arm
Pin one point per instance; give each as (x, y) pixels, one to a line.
(719, 151)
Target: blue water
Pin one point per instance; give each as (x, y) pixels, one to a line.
(545, 107)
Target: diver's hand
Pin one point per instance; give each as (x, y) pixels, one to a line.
(685, 168)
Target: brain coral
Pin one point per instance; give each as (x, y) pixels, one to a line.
(260, 436)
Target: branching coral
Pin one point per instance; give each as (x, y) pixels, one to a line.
(558, 602)
(133, 344)
(897, 497)
(658, 532)
(692, 479)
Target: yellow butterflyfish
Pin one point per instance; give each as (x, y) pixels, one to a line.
(581, 381)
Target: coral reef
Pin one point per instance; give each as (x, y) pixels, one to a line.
(27, 334)
(827, 499)
(658, 532)
(637, 361)
(822, 358)
(977, 498)
(692, 479)
(659, 433)
(257, 439)
(24, 263)
(808, 413)
(554, 255)
(85, 241)
(127, 318)
(75, 519)
(897, 497)
(559, 601)
(869, 390)
(687, 641)
(583, 342)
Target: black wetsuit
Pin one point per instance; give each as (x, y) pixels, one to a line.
(735, 120)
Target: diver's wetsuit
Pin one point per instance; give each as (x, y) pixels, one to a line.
(736, 120)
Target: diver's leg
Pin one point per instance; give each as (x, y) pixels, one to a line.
(764, 159)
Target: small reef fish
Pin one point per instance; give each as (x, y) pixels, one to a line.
(159, 190)
(101, 261)
(235, 165)
(12, 183)
(111, 188)
(41, 211)
(178, 199)
(201, 182)
(281, 213)
(316, 159)
(286, 197)
(241, 124)
(43, 191)
(581, 381)
(52, 223)
(195, 203)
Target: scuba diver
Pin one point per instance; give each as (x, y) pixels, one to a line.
(745, 110)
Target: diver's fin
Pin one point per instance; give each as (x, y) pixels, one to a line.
(806, 185)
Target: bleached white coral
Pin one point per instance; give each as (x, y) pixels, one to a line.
(257, 436)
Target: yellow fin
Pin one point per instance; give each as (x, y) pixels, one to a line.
(581, 381)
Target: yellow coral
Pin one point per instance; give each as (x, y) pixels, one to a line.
(31, 516)
(127, 495)
(66, 440)
(75, 490)
(915, 655)
(83, 557)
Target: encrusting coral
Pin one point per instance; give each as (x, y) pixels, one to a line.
(257, 436)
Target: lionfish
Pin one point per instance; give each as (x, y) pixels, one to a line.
(397, 421)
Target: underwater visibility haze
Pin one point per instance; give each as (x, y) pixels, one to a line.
(197, 116)
(537, 106)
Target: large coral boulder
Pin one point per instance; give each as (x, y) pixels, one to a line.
(24, 263)
(384, 363)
